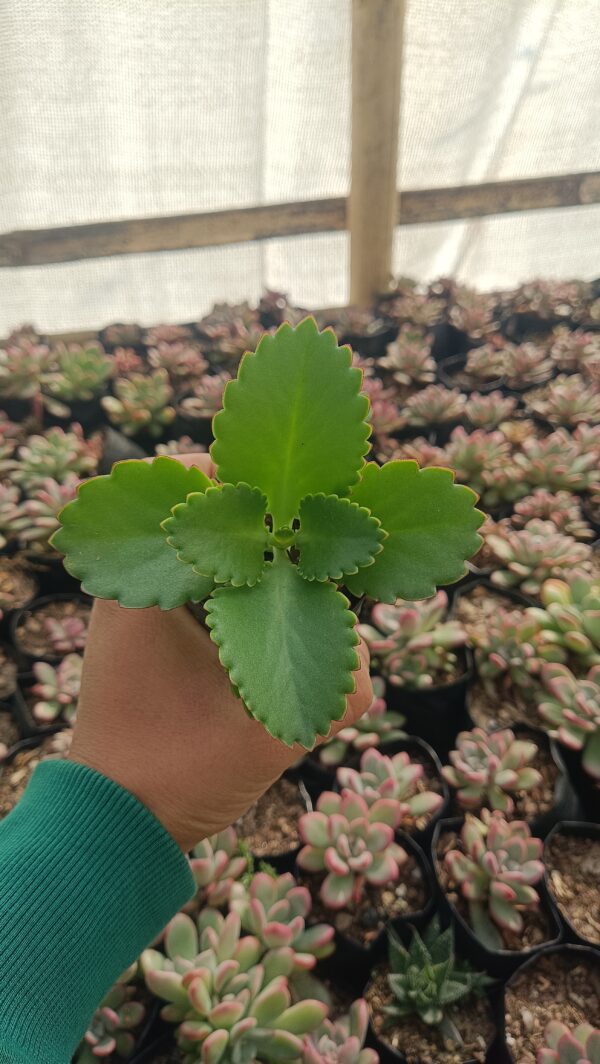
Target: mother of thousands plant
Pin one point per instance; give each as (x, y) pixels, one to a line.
(293, 512)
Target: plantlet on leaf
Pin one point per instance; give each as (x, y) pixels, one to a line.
(341, 1041)
(495, 869)
(426, 979)
(572, 708)
(487, 769)
(294, 512)
(376, 726)
(565, 1046)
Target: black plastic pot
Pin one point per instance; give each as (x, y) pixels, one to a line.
(199, 429)
(448, 341)
(574, 829)
(451, 367)
(17, 410)
(586, 790)
(388, 1055)
(465, 589)
(153, 1033)
(498, 963)
(565, 799)
(523, 325)
(435, 714)
(51, 575)
(373, 345)
(117, 448)
(578, 954)
(25, 660)
(88, 413)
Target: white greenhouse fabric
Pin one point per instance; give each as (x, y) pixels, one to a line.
(125, 108)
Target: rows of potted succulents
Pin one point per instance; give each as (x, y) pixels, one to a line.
(424, 887)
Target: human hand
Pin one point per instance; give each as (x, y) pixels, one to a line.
(157, 714)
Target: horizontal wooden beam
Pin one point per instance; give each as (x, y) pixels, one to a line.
(37, 247)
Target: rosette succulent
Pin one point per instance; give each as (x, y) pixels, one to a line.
(563, 1045)
(572, 709)
(376, 726)
(229, 998)
(488, 769)
(413, 643)
(394, 777)
(341, 1041)
(207, 397)
(409, 357)
(558, 462)
(531, 555)
(567, 400)
(475, 457)
(230, 330)
(488, 411)
(39, 512)
(294, 512)
(56, 690)
(496, 869)
(434, 405)
(511, 651)
(526, 364)
(110, 1032)
(352, 844)
(12, 519)
(217, 863)
(571, 349)
(426, 979)
(383, 414)
(56, 455)
(561, 507)
(23, 362)
(570, 616)
(182, 360)
(78, 373)
(141, 404)
(486, 363)
(275, 909)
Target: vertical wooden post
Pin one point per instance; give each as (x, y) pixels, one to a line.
(372, 207)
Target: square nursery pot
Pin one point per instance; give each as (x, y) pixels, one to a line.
(351, 959)
(26, 658)
(435, 714)
(574, 829)
(498, 963)
(494, 997)
(575, 954)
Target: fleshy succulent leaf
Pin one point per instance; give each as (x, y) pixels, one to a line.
(221, 533)
(278, 667)
(112, 539)
(305, 445)
(431, 524)
(336, 536)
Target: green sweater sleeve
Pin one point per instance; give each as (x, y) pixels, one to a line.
(88, 877)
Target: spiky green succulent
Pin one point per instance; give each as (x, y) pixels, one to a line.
(495, 869)
(488, 769)
(427, 979)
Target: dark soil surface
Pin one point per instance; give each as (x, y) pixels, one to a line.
(17, 587)
(536, 928)
(32, 634)
(378, 904)
(500, 710)
(270, 827)
(421, 1043)
(475, 609)
(573, 864)
(8, 730)
(556, 988)
(15, 777)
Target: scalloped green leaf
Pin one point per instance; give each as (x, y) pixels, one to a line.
(288, 645)
(112, 539)
(221, 533)
(336, 536)
(431, 524)
(293, 422)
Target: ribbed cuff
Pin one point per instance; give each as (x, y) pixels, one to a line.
(88, 877)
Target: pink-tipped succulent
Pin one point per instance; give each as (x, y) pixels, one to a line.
(407, 304)
(341, 1041)
(275, 909)
(230, 330)
(572, 349)
(230, 999)
(560, 461)
(510, 653)
(166, 333)
(141, 404)
(126, 361)
(486, 363)
(572, 709)
(561, 507)
(23, 362)
(66, 635)
(477, 458)
(529, 556)
(567, 400)
(12, 519)
(488, 411)
(487, 769)
(110, 1033)
(413, 643)
(434, 405)
(57, 455)
(184, 445)
(383, 412)
(353, 844)
(527, 364)
(182, 360)
(409, 357)
(41, 509)
(207, 399)
(566, 1045)
(56, 690)
(217, 863)
(496, 869)
(570, 616)
(420, 450)
(78, 373)
(376, 726)
(471, 311)
(395, 777)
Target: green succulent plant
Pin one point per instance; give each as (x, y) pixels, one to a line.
(426, 979)
(110, 1033)
(295, 512)
(565, 1046)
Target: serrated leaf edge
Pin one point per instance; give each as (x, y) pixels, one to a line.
(362, 565)
(221, 577)
(350, 622)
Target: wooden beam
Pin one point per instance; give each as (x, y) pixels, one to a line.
(373, 204)
(35, 247)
